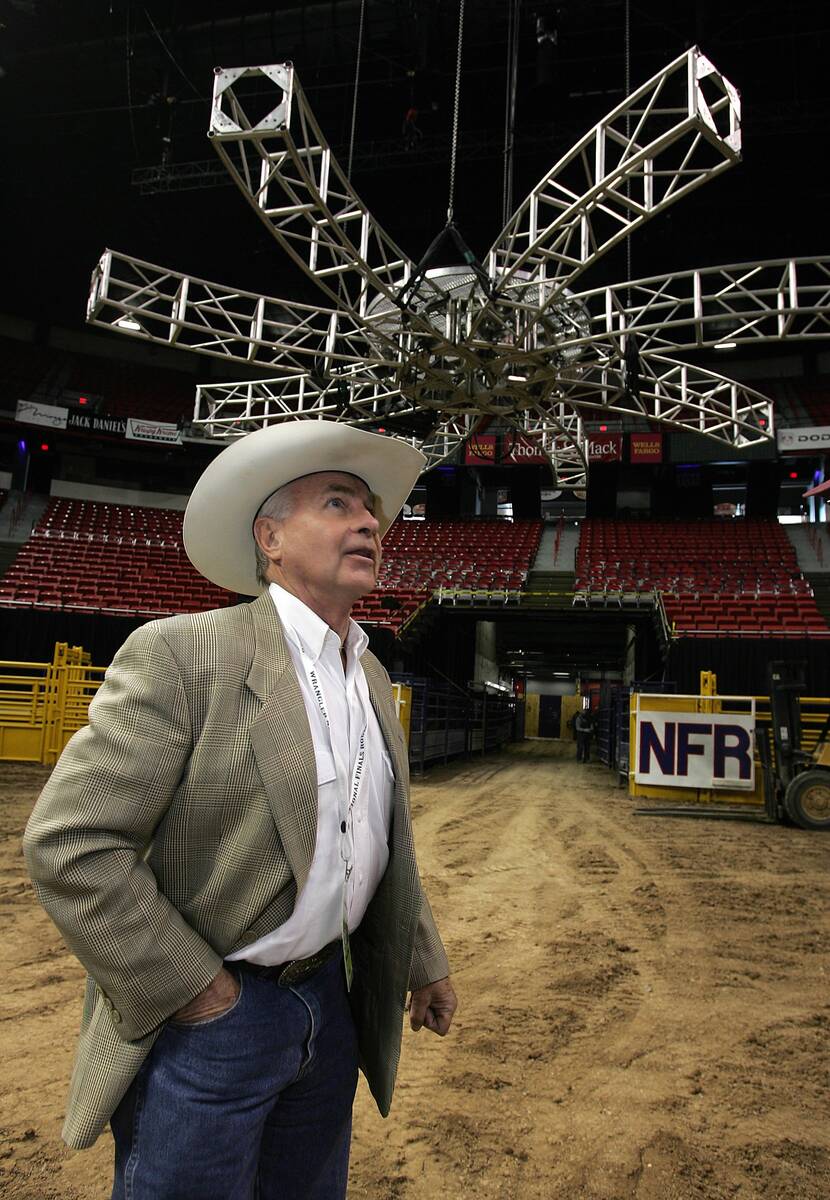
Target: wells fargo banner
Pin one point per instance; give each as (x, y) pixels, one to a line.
(605, 447)
(480, 450)
(695, 750)
(645, 447)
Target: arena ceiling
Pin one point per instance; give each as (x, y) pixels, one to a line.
(97, 97)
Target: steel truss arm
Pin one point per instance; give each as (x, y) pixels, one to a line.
(153, 303)
(234, 409)
(674, 133)
(676, 394)
(558, 429)
(229, 410)
(785, 298)
(447, 437)
(299, 191)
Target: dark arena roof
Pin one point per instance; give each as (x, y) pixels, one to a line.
(105, 108)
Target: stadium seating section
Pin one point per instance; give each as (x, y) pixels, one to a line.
(45, 374)
(798, 402)
(119, 559)
(817, 403)
(716, 576)
(108, 558)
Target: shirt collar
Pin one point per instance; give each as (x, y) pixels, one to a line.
(308, 631)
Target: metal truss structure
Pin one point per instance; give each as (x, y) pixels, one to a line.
(433, 354)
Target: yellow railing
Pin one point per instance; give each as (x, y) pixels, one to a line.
(43, 704)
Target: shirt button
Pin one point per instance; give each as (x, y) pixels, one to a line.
(342, 826)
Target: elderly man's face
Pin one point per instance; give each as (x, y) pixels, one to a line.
(328, 546)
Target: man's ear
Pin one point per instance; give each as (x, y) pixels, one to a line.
(268, 535)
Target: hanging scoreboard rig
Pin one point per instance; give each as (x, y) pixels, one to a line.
(426, 350)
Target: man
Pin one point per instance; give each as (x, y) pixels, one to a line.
(583, 728)
(227, 846)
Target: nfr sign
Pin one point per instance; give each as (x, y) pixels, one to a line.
(695, 750)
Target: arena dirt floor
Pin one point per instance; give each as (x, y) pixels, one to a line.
(645, 1004)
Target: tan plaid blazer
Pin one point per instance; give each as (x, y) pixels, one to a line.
(177, 827)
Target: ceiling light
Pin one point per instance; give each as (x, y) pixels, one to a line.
(129, 323)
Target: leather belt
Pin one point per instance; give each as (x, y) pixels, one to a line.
(295, 971)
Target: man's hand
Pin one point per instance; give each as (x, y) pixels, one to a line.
(433, 1006)
(219, 995)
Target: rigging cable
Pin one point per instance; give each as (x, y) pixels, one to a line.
(627, 90)
(510, 108)
(456, 103)
(170, 55)
(128, 56)
(356, 84)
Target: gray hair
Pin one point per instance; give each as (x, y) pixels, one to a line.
(278, 506)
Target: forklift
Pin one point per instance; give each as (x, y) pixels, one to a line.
(798, 783)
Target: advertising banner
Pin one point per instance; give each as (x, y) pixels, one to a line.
(646, 447)
(695, 750)
(516, 450)
(33, 413)
(480, 451)
(811, 439)
(604, 447)
(93, 423)
(153, 431)
(523, 450)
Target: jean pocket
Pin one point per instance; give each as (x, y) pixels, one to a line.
(222, 1016)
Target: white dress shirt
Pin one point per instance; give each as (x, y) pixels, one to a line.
(340, 715)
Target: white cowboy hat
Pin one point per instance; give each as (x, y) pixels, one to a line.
(218, 521)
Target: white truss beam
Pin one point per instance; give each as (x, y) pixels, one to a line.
(149, 302)
(781, 300)
(284, 167)
(677, 131)
(676, 394)
(559, 430)
(233, 409)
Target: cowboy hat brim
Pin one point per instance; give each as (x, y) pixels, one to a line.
(218, 520)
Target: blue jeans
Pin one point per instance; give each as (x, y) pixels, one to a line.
(255, 1103)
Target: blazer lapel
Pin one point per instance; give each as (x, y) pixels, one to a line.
(384, 706)
(281, 740)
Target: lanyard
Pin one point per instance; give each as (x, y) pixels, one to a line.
(357, 774)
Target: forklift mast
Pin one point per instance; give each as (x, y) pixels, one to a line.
(787, 682)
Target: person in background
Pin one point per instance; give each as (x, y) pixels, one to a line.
(584, 730)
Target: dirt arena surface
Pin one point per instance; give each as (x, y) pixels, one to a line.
(645, 1004)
